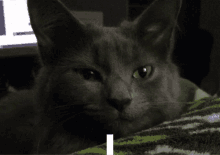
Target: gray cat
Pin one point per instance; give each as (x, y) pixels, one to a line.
(95, 81)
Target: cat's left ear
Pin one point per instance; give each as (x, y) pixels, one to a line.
(156, 24)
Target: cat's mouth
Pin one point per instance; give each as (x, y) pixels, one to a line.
(124, 123)
(111, 115)
(123, 118)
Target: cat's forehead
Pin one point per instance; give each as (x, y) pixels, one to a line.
(113, 50)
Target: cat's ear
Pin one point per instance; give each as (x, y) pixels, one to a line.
(156, 24)
(54, 25)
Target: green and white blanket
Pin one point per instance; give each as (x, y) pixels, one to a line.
(197, 132)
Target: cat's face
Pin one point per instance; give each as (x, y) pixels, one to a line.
(107, 80)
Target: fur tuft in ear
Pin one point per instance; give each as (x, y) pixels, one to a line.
(54, 25)
(157, 23)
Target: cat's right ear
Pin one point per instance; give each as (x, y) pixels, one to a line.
(54, 25)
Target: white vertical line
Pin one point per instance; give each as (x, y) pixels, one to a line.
(110, 144)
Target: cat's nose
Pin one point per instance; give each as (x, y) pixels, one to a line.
(120, 105)
(119, 95)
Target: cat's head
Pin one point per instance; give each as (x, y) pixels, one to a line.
(120, 80)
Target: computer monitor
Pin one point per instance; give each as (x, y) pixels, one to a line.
(15, 28)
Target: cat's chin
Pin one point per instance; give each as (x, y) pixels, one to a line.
(122, 124)
(123, 127)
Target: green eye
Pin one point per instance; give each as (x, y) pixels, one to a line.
(143, 72)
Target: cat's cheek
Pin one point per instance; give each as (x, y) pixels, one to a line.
(105, 116)
(92, 92)
(83, 92)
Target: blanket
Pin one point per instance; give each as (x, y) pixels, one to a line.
(197, 132)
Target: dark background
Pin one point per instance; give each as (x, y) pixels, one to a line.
(192, 51)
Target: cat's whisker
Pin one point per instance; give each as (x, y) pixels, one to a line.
(74, 104)
(63, 106)
(38, 145)
(69, 118)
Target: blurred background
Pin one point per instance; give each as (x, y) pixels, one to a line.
(196, 51)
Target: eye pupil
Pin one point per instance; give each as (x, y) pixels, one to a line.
(88, 74)
(143, 72)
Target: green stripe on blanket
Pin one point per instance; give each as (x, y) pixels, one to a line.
(197, 132)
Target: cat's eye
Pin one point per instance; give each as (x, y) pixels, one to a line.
(89, 74)
(143, 72)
